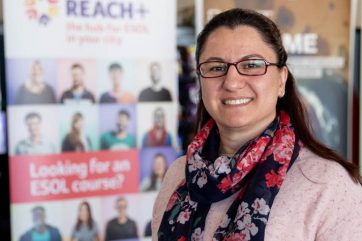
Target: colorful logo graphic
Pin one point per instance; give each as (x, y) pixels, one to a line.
(41, 11)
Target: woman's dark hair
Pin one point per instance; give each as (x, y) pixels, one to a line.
(90, 218)
(154, 177)
(75, 135)
(291, 102)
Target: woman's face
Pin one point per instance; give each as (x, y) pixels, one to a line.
(159, 166)
(83, 213)
(238, 101)
(78, 124)
(159, 118)
(36, 72)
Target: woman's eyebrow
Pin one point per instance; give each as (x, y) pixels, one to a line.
(249, 56)
(214, 59)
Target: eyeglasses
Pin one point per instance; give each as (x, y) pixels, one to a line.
(249, 67)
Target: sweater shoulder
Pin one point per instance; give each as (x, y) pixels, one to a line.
(320, 170)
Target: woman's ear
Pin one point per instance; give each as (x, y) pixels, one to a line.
(283, 80)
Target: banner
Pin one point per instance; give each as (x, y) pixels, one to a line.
(92, 115)
(2, 132)
(316, 36)
(359, 68)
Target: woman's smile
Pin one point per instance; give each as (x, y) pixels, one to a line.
(240, 101)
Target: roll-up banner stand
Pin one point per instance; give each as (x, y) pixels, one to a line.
(92, 115)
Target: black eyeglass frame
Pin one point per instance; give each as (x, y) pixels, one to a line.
(267, 64)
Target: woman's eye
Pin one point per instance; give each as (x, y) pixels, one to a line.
(217, 68)
(252, 65)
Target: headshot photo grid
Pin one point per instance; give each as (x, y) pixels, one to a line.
(92, 115)
(69, 110)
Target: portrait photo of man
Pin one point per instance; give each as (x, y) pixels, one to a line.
(117, 93)
(119, 138)
(78, 92)
(35, 142)
(122, 226)
(41, 230)
(156, 92)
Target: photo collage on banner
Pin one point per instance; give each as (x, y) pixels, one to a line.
(317, 58)
(3, 143)
(92, 112)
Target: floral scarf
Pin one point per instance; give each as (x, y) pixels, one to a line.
(257, 170)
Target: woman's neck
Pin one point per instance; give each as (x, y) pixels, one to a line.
(35, 87)
(231, 139)
(231, 142)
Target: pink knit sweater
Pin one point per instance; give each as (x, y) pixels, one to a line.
(318, 201)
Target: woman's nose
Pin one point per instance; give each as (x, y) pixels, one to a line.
(233, 80)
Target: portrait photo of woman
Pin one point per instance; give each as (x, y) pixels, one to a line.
(86, 228)
(76, 140)
(158, 171)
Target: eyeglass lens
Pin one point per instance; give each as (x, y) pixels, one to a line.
(245, 67)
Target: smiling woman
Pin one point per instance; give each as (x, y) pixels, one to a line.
(254, 171)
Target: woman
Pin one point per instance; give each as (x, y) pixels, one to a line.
(86, 228)
(254, 171)
(159, 167)
(76, 140)
(35, 90)
(157, 135)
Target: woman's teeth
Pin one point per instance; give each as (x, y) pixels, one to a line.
(238, 101)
